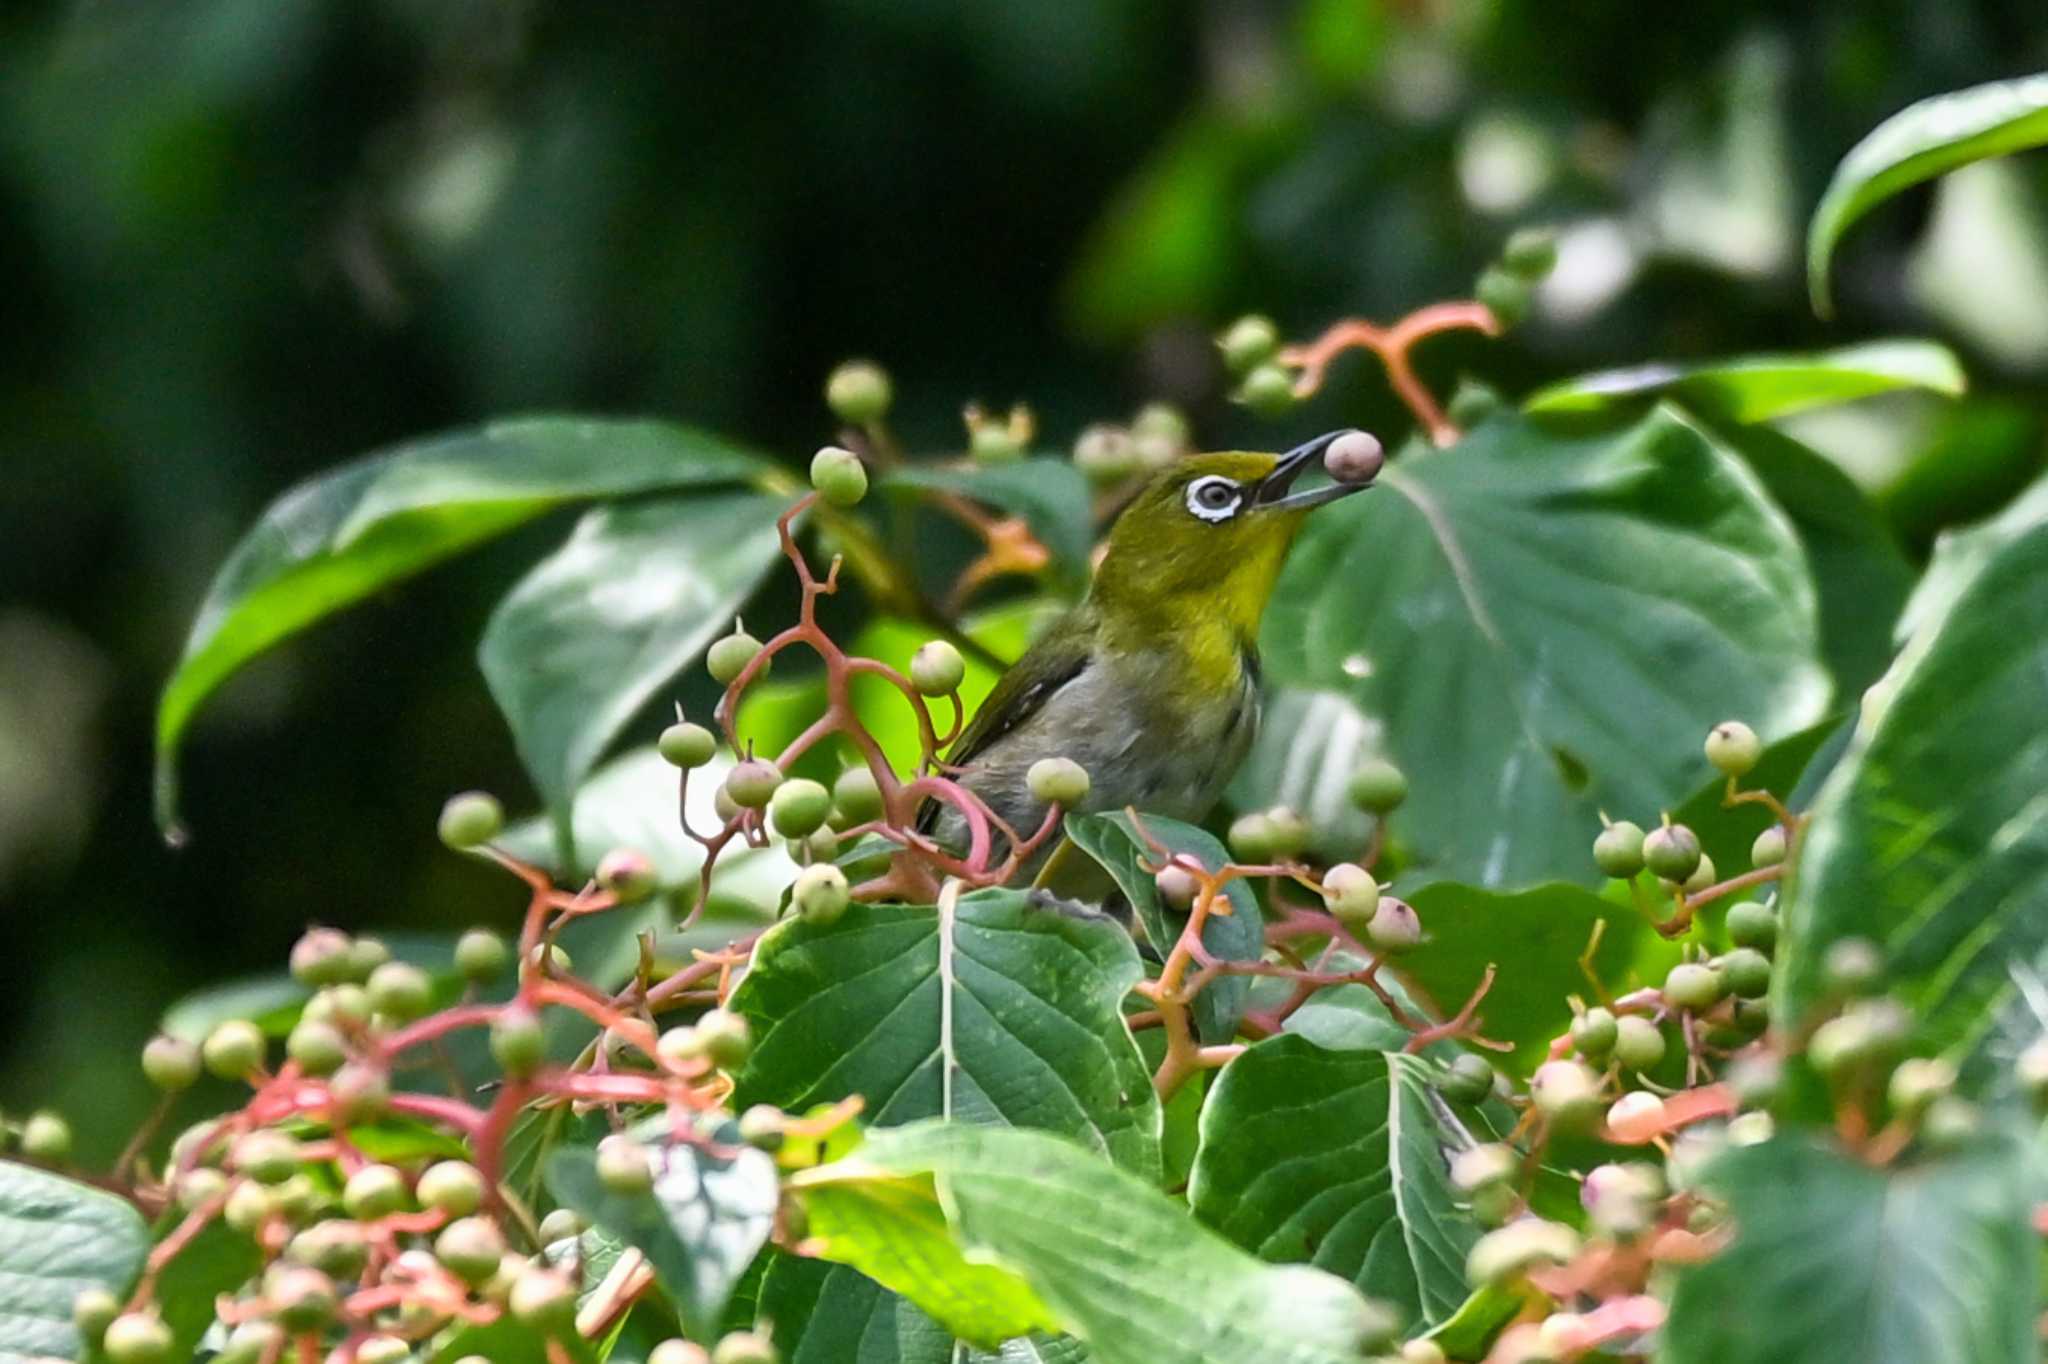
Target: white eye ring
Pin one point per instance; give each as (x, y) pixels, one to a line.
(1214, 498)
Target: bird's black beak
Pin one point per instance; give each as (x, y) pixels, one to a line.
(1271, 492)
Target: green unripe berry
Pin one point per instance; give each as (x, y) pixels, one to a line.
(170, 1063)
(839, 476)
(1057, 781)
(1566, 1093)
(452, 1186)
(1594, 1033)
(1378, 787)
(798, 807)
(1472, 403)
(725, 1038)
(629, 874)
(93, 1311)
(679, 1045)
(1618, 851)
(1513, 1250)
(1395, 927)
(372, 1192)
(1702, 876)
(305, 1298)
(1693, 985)
(346, 1006)
(401, 991)
(299, 1199)
(200, 1186)
(687, 745)
(360, 1092)
(859, 392)
(471, 1247)
(937, 668)
(1106, 454)
(1422, 1350)
(1758, 1080)
(1917, 1083)
(46, 1137)
(1638, 1043)
(317, 1046)
(1482, 1167)
(249, 1206)
(763, 1126)
(137, 1338)
(1467, 1080)
(1267, 390)
(333, 1247)
(1852, 966)
(1504, 293)
(382, 1350)
(1177, 887)
(1733, 748)
(1950, 1123)
(1531, 252)
(266, 1156)
(544, 1299)
(2030, 1070)
(676, 1350)
(517, 1041)
(252, 1341)
(1769, 848)
(624, 1166)
(752, 784)
(1753, 925)
(470, 820)
(1251, 839)
(481, 956)
(856, 797)
(321, 957)
(365, 955)
(820, 893)
(1496, 1206)
(1747, 973)
(1752, 1017)
(1671, 852)
(1249, 342)
(560, 1225)
(233, 1049)
(549, 959)
(1349, 891)
(745, 1347)
(1291, 833)
(1841, 1046)
(1636, 1116)
(730, 654)
(1165, 421)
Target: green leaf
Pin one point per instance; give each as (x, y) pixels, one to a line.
(58, 1238)
(997, 1012)
(1931, 836)
(1337, 1159)
(1933, 1261)
(708, 1216)
(218, 1260)
(1536, 938)
(272, 1002)
(1048, 492)
(1565, 615)
(334, 540)
(1760, 388)
(825, 1313)
(584, 641)
(1916, 144)
(1124, 1267)
(1960, 555)
(1240, 935)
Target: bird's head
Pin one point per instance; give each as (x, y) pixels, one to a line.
(1210, 533)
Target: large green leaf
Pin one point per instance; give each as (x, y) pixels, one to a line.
(1547, 625)
(1960, 555)
(1124, 1267)
(1916, 144)
(1934, 1261)
(58, 1238)
(1758, 388)
(997, 1011)
(1047, 491)
(848, 1318)
(1240, 935)
(1931, 836)
(1337, 1159)
(218, 1260)
(338, 538)
(707, 1218)
(586, 639)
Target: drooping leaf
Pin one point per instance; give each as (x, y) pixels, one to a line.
(1126, 1269)
(1047, 491)
(1760, 388)
(584, 641)
(1960, 555)
(1566, 615)
(58, 1238)
(708, 1217)
(1931, 836)
(1914, 145)
(1111, 839)
(998, 1011)
(1934, 1260)
(336, 539)
(1338, 1159)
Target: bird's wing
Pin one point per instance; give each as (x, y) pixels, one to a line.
(1020, 693)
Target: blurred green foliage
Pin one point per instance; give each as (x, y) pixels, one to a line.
(252, 238)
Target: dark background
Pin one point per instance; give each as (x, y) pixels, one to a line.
(246, 239)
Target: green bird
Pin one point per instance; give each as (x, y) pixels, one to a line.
(1151, 683)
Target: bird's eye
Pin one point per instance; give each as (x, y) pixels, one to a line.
(1214, 498)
